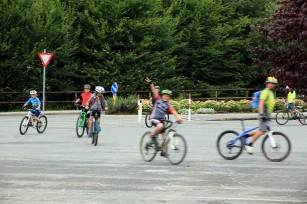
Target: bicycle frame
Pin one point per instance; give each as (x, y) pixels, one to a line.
(243, 134)
(83, 115)
(31, 118)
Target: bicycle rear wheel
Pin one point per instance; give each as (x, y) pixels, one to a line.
(80, 126)
(302, 118)
(147, 150)
(176, 149)
(282, 149)
(24, 125)
(95, 132)
(147, 120)
(227, 147)
(42, 127)
(282, 117)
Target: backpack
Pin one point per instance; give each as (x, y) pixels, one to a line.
(255, 100)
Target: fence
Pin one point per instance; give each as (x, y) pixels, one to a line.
(11, 100)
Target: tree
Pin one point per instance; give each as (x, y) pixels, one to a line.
(285, 49)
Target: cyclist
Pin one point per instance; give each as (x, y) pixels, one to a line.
(36, 106)
(266, 107)
(84, 97)
(96, 104)
(291, 103)
(157, 116)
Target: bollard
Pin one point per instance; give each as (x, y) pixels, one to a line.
(189, 107)
(139, 108)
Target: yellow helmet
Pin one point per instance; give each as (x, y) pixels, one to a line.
(272, 80)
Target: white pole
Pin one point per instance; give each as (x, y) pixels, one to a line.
(139, 109)
(189, 114)
(44, 81)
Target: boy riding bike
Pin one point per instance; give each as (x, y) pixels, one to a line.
(84, 97)
(36, 106)
(161, 107)
(266, 107)
(96, 104)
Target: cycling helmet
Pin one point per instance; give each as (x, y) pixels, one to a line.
(272, 80)
(168, 92)
(157, 87)
(99, 89)
(33, 92)
(87, 86)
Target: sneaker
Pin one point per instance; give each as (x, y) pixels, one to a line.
(249, 149)
(301, 116)
(89, 134)
(163, 154)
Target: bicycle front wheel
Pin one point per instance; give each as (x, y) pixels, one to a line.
(282, 117)
(176, 149)
(147, 150)
(24, 125)
(281, 150)
(302, 118)
(42, 127)
(229, 147)
(147, 120)
(80, 126)
(95, 138)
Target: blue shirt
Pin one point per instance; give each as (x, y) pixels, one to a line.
(35, 102)
(160, 109)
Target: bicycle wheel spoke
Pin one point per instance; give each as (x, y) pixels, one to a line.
(280, 150)
(43, 124)
(176, 149)
(24, 125)
(227, 147)
(282, 117)
(147, 150)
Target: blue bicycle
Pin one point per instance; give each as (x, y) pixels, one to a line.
(275, 146)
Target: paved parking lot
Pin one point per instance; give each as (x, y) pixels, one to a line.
(59, 167)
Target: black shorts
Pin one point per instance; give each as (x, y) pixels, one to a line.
(87, 112)
(94, 112)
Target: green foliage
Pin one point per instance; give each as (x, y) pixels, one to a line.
(181, 44)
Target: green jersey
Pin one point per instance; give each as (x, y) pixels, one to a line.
(269, 100)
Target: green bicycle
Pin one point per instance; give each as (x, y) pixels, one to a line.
(82, 123)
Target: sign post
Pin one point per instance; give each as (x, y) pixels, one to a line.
(45, 58)
(114, 89)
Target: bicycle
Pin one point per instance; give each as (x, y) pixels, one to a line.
(28, 121)
(282, 117)
(176, 146)
(147, 118)
(82, 122)
(95, 128)
(272, 143)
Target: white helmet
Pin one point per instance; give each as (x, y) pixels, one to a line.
(33, 92)
(99, 89)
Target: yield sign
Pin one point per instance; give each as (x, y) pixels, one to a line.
(45, 57)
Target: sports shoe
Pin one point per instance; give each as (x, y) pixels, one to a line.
(249, 149)
(89, 134)
(163, 154)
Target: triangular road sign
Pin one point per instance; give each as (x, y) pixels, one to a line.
(45, 57)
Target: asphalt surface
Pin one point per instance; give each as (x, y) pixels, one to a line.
(59, 167)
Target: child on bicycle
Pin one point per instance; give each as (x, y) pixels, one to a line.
(266, 107)
(96, 104)
(161, 107)
(84, 97)
(36, 106)
(291, 103)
